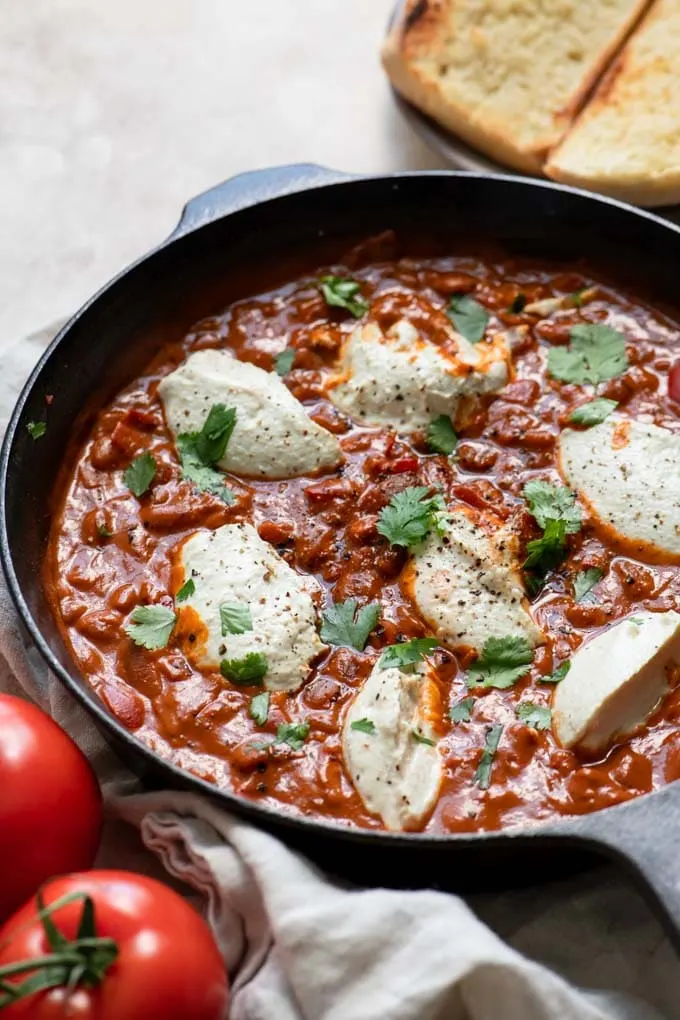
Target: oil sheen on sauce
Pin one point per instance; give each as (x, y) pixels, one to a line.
(326, 526)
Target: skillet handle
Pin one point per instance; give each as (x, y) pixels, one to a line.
(644, 836)
(250, 188)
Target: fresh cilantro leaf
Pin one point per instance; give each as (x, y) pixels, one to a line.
(151, 626)
(407, 653)
(199, 451)
(548, 551)
(409, 516)
(363, 726)
(462, 710)
(502, 663)
(518, 304)
(259, 708)
(558, 674)
(483, 772)
(248, 670)
(235, 618)
(140, 473)
(576, 299)
(468, 316)
(536, 716)
(343, 292)
(293, 734)
(345, 624)
(554, 508)
(594, 412)
(420, 738)
(553, 502)
(440, 435)
(596, 353)
(203, 478)
(36, 429)
(186, 591)
(103, 531)
(211, 441)
(585, 581)
(283, 362)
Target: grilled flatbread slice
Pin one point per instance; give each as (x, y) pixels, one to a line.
(626, 143)
(509, 76)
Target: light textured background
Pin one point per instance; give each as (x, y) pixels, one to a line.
(113, 114)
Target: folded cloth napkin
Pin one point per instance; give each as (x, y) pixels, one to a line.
(299, 946)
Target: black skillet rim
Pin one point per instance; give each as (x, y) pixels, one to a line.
(560, 830)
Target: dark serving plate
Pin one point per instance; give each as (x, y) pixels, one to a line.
(253, 220)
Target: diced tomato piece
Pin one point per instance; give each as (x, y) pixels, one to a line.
(404, 464)
(674, 382)
(126, 439)
(143, 419)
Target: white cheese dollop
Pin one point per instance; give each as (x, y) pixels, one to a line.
(233, 565)
(467, 584)
(396, 775)
(616, 680)
(273, 436)
(628, 473)
(400, 380)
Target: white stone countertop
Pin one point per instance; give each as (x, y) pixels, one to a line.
(113, 115)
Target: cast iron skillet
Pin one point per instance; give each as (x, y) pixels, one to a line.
(261, 215)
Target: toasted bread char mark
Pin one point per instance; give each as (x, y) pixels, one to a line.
(411, 18)
(626, 143)
(508, 77)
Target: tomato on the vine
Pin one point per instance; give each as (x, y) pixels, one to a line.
(50, 804)
(110, 945)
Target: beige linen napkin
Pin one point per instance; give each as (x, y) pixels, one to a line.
(301, 947)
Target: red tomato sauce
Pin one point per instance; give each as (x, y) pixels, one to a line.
(326, 526)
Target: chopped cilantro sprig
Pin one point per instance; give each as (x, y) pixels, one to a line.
(258, 708)
(36, 429)
(468, 316)
(462, 710)
(283, 362)
(552, 502)
(140, 473)
(345, 624)
(186, 591)
(538, 717)
(410, 516)
(343, 292)
(595, 354)
(407, 654)
(502, 663)
(363, 726)
(585, 581)
(482, 775)
(150, 627)
(441, 437)
(557, 675)
(554, 509)
(235, 618)
(199, 451)
(246, 671)
(593, 413)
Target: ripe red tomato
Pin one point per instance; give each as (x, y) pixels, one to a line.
(674, 382)
(50, 804)
(146, 954)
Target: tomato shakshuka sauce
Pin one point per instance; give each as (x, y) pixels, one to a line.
(112, 551)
